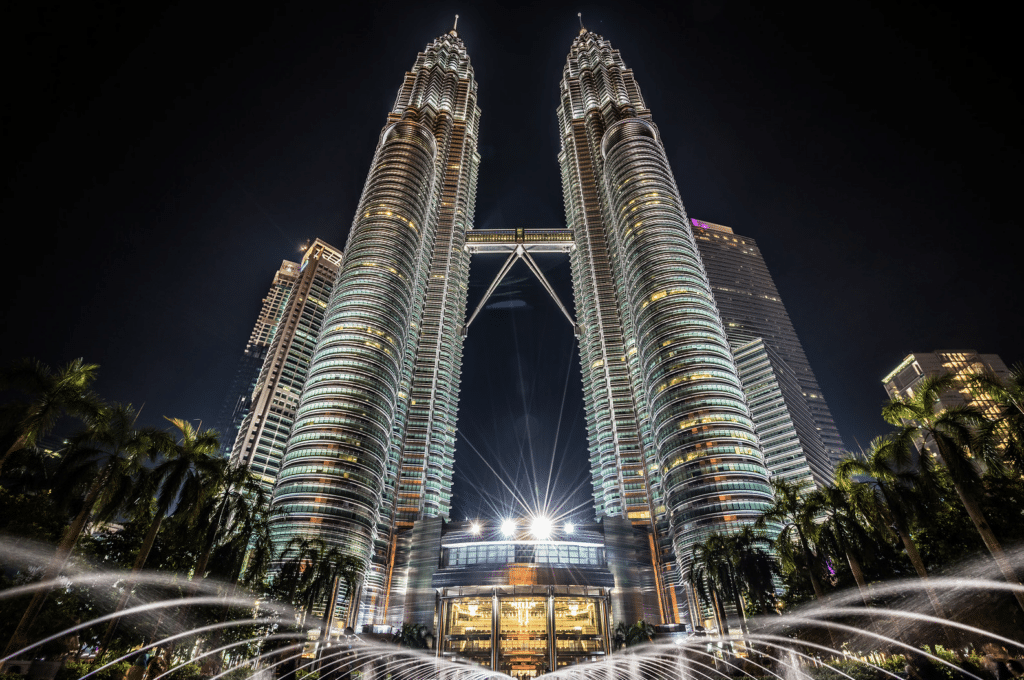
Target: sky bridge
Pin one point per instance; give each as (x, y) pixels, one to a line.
(518, 244)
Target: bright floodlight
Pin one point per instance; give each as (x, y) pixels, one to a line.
(508, 527)
(541, 527)
(474, 528)
(569, 527)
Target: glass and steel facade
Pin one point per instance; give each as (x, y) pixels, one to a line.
(264, 432)
(751, 308)
(372, 445)
(792, 448)
(370, 453)
(239, 398)
(671, 437)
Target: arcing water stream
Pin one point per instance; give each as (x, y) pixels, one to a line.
(176, 629)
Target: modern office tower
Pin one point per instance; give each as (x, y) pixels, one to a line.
(962, 363)
(669, 430)
(783, 422)
(239, 397)
(373, 440)
(751, 308)
(264, 431)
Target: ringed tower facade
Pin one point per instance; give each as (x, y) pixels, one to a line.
(672, 444)
(372, 446)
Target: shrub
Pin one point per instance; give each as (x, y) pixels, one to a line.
(76, 669)
(73, 670)
(308, 675)
(241, 673)
(190, 672)
(857, 670)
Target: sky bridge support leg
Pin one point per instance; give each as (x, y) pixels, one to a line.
(547, 286)
(520, 253)
(502, 273)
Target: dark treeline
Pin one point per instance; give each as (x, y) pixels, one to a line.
(116, 497)
(945, 486)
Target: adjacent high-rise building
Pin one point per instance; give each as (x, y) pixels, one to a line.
(239, 397)
(292, 336)
(372, 446)
(671, 440)
(783, 422)
(961, 363)
(751, 308)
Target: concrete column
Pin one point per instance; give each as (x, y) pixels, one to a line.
(552, 647)
(607, 619)
(495, 628)
(442, 624)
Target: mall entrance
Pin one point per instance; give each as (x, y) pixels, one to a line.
(525, 632)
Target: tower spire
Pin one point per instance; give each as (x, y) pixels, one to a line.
(455, 28)
(583, 29)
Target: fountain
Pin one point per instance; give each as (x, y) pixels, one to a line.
(183, 630)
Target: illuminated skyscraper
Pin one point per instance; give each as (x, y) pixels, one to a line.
(751, 308)
(239, 398)
(671, 440)
(673, 449)
(262, 435)
(372, 445)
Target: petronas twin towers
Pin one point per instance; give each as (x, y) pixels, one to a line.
(371, 451)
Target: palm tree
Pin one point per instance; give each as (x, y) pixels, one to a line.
(110, 454)
(309, 572)
(1008, 395)
(51, 394)
(841, 527)
(181, 482)
(797, 519)
(756, 569)
(350, 571)
(887, 480)
(258, 551)
(183, 476)
(237, 495)
(957, 436)
(712, 576)
(731, 568)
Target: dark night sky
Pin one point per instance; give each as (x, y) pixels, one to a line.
(161, 160)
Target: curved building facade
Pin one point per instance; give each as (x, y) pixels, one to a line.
(670, 429)
(373, 439)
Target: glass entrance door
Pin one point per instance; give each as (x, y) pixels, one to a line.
(524, 637)
(468, 633)
(579, 633)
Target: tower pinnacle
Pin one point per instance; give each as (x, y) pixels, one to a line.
(583, 29)
(455, 28)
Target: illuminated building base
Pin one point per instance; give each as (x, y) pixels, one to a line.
(504, 598)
